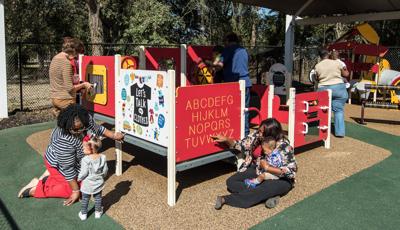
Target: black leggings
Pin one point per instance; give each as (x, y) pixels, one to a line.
(243, 197)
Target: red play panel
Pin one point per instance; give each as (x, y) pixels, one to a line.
(205, 110)
(108, 62)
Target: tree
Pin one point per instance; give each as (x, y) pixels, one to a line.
(151, 22)
(95, 25)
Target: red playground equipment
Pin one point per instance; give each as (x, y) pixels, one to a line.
(177, 121)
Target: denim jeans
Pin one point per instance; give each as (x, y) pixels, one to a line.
(339, 98)
(246, 114)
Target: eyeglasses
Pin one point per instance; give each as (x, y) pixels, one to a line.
(77, 131)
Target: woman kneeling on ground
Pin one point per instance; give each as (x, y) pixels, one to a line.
(63, 156)
(270, 190)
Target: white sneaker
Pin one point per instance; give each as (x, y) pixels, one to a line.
(97, 214)
(82, 216)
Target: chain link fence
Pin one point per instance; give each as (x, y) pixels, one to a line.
(28, 85)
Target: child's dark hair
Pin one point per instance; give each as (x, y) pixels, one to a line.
(67, 116)
(272, 128)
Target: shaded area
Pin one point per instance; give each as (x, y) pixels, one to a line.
(6, 220)
(366, 200)
(19, 164)
(379, 121)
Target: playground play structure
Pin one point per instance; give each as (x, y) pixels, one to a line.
(364, 58)
(382, 105)
(164, 112)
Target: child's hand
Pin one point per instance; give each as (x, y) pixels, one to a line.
(285, 170)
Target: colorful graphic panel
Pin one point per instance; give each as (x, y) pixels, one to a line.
(205, 110)
(143, 110)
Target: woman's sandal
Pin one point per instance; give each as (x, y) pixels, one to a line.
(24, 192)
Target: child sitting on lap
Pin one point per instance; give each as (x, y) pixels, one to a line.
(93, 170)
(269, 157)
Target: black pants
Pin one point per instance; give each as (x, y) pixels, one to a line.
(243, 197)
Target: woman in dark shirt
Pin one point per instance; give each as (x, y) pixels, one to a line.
(270, 190)
(63, 156)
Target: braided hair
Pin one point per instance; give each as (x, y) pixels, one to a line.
(67, 117)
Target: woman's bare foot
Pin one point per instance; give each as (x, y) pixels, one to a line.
(45, 174)
(30, 185)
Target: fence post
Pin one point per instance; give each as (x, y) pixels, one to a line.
(20, 75)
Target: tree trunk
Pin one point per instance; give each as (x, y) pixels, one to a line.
(253, 34)
(95, 26)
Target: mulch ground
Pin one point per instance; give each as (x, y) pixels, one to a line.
(27, 117)
(380, 119)
(138, 198)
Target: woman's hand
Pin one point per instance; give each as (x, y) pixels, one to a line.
(87, 85)
(118, 136)
(72, 199)
(219, 138)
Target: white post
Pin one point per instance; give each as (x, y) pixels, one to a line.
(80, 58)
(80, 66)
(171, 171)
(243, 109)
(118, 119)
(292, 118)
(289, 42)
(3, 72)
(270, 100)
(377, 76)
(183, 64)
(327, 142)
(142, 58)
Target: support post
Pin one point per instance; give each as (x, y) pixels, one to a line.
(243, 109)
(171, 168)
(289, 42)
(183, 65)
(80, 58)
(270, 101)
(142, 58)
(118, 119)
(21, 100)
(327, 142)
(292, 115)
(3, 72)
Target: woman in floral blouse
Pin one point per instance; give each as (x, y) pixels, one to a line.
(269, 190)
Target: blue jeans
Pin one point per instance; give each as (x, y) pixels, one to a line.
(339, 98)
(246, 114)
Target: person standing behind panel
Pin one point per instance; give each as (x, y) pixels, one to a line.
(62, 90)
(235, 61)
(329, 76)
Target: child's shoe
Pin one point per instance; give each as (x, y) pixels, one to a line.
(82, 216)
(98, 214)
(250, 183)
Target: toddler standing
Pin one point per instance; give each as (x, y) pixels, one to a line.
(93, 170)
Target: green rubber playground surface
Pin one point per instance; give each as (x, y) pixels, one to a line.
(369, 199)
(19, 164)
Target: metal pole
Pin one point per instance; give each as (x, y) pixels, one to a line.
(20, 76)
(3, 72)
